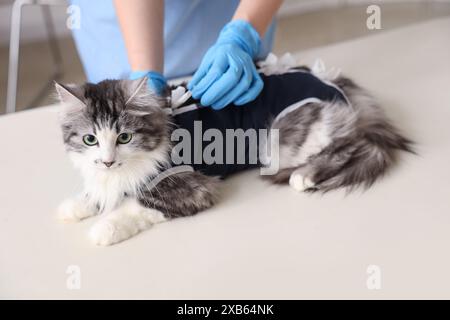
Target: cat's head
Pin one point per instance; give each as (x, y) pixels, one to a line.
(115, 125)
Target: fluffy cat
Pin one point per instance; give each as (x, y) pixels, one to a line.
(119, 136)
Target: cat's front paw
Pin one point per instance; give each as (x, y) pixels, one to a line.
(73, 210)
(123, 223)
(109, 231)
(102, 233)
(300, 183)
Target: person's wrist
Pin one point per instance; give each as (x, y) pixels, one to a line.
(156, 81)
(243, 34)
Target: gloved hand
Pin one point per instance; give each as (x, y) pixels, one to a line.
(156, 81)
(227, 73)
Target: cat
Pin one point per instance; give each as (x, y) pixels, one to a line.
(120, 136)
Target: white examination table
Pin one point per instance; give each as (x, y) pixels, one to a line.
(261, 241)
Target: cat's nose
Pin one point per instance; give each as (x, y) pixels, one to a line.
(108, 164)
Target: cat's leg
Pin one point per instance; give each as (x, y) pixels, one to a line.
(76, 208)
(314, 144)
(330, 169)
(302, 134)
(130, 218)
(182, 194)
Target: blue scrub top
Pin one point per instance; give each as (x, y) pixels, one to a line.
(191, 28)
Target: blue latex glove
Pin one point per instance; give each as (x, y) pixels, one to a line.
(156, 81)
(227, 73)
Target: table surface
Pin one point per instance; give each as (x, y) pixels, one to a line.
(261, 241)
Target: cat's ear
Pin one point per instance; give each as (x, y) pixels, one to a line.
(70, 96)
(135, 90)
(137, 94)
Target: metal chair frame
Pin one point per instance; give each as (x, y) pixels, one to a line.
(14, 47)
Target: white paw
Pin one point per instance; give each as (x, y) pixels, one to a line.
(300, 183)
(71, 210)
(102, 233)
(123, 223)
(109, 231)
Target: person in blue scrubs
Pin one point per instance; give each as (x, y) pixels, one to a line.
(216, 40)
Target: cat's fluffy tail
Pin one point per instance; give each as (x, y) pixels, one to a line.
(361, 158)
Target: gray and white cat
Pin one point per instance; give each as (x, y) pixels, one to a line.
(118, 135)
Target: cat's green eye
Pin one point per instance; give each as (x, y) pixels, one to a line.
(90, 140)
(124, 138)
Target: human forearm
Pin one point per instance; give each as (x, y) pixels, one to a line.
(142, 22)
(258, 12)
